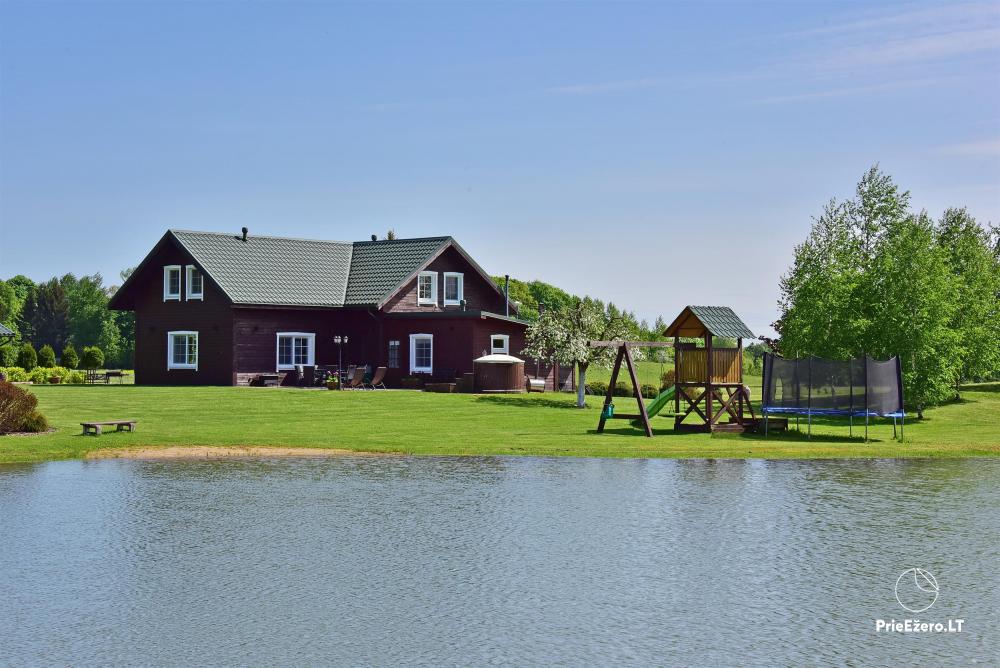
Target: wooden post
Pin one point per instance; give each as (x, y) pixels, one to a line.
(644, 417)
(677, 378)
(739, 410)
(611, 388)
(708, 380)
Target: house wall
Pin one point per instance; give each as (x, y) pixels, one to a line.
(479, 293)
(211, 317)
(256, 337)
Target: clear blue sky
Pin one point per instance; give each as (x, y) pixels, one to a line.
(652, 154)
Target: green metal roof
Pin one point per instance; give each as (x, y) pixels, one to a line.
(718, 320)
(378, 268)
(304, 272)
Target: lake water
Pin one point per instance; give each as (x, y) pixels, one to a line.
(452, 561)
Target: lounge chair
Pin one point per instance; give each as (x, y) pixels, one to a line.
(377, 381)
(357, 380)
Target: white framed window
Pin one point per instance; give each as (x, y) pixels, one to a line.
(454, 290)
(394, 354)
(421, 353)
(427, 287)
(195, 283)
(500, 343)
(296, 348)
(172, 282)
(182, 350)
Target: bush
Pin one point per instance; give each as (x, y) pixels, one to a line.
(74, 377)
(92, 358)
(667, 379)
(35, 422)
(649, 391)
(69, 358)
(623, 390)
(46, 356)
(600, 388)
(15, 374)
(26, 358)
(8, 355)
(16, 405)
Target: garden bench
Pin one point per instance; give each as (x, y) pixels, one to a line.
(94, 428)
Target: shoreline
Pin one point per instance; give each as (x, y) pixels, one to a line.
(219, 452)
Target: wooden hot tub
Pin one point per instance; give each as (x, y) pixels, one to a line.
(499, 374)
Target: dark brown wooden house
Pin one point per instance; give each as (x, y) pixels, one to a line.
(220, 309)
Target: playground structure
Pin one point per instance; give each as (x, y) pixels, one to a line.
(860, 387)
(710, 376)
(701, 375)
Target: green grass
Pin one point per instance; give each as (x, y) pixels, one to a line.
(459, 424)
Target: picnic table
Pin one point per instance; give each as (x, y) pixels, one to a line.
(94, 428)
(93, 377)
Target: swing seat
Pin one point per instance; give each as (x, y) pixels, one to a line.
(608, 412)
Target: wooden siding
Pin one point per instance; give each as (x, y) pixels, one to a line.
(211, 317)
(479, 294)
(692, 366)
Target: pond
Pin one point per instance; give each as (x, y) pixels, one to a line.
(467, 561)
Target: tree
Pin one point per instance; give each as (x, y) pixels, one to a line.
(913, 301)
(46, 357)
(564, 336)
(92, 358)
(10, 306)
(88, 308)
(69, 358)
(26, 357)
(390, 235)
(975, 267)
(45, 316)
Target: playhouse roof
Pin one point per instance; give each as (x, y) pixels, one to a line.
(716, 320)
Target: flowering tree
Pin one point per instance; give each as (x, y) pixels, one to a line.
(564, 336)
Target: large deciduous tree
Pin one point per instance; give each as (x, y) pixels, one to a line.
(564, 335)
(975, 265)
(45, 315)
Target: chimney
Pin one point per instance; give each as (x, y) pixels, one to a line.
(374, 237)
(506, 295)
(245, 230)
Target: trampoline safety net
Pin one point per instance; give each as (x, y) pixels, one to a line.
(860, 386)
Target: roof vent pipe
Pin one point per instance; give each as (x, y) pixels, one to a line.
(506, 295)
(245, 231)
(374, 237)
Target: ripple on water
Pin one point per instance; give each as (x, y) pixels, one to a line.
(479, 560)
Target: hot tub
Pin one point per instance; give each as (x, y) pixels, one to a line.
(499, 373)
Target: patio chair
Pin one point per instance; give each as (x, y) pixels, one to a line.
(357, 379)
(377, 381)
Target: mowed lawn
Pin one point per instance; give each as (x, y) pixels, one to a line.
(439, 424)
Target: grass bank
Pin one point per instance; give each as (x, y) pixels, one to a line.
(437, 424)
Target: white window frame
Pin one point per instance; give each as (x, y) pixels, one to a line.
(461, 287)
(170, 349)
(167, 295)
(311, 336)
(423, 301)
(413, 353)
(506, 344)
(189, 270)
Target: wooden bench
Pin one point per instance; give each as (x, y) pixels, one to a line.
(94, 428)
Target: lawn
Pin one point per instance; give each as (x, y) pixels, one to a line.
(459, 424)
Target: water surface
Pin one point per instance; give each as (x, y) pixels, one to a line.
(469, 561)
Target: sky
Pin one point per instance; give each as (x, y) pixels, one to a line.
(655, 155)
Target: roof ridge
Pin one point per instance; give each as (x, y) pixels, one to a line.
(395, 241)
(313, 240)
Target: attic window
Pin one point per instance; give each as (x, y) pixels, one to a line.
(453, 288)
(427, 288)
(195, 283)
(172, 282)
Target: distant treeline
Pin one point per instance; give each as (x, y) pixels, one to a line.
(66, 311)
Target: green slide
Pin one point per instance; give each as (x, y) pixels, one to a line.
(657, 405)
(660, 401)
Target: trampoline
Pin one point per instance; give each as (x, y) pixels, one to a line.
(855, 388)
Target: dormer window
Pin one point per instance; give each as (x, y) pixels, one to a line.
(172, 282)
(195, 283)
(453, 288)
(427, 288)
